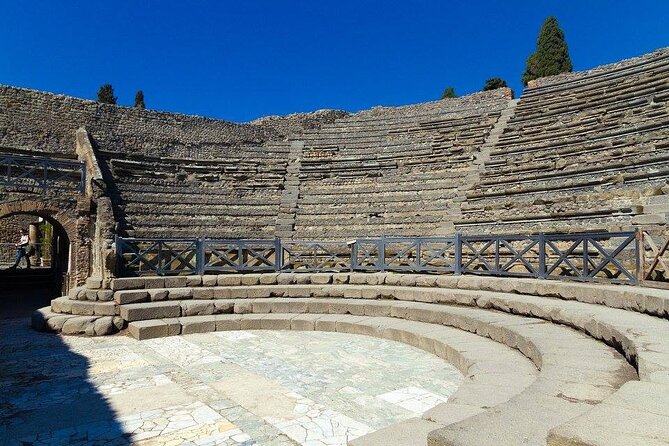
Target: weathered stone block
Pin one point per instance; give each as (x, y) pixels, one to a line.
(180, 293)
(203, 293)
(250, 279)
(176, 281)
(268, 278)
(127, 283)
(94, 283)
(229, 279)
(321, 278)
(193, 281)
(148, 329)
(209, 280)
(150, 310)
(154, 282)
(130, 296)
(197, 308)
(225, 322)
(158, 294)
(197, 324)
(105, 309)
(105, 295)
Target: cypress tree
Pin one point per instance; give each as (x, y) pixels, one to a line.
(139, 100)
(552, 54)
(449, 92)
(106, 94)
(494, 83)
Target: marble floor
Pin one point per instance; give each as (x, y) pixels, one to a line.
(270, 388)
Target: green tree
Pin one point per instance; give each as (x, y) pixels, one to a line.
(449, 92)
(139, 100)
(494, 83)
(106, 94)
(552, 54)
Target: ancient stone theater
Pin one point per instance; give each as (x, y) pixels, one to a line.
(480, 270)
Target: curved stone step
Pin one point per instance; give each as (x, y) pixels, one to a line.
(651, 301)
(46, 320)
(568, 385)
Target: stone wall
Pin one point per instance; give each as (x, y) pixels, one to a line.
(10, 226)
(32, 119)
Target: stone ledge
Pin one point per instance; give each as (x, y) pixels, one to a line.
(644, 300)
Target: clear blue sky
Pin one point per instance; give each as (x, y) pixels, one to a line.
(239, 60)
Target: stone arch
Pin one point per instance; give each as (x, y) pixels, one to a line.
(75, 227)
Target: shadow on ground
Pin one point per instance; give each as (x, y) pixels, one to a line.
(46, 397)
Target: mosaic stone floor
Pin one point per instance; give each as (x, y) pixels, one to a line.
(268, 388)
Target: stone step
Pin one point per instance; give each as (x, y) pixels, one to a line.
(651, 301)
(636, 415)
(46, 320)
(65, 305)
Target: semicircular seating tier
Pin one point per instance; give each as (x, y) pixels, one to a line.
(393, 171)
(583, 151)
(580, 364)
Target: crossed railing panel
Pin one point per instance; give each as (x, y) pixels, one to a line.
(654, 256)
(309, 256)
(603, 257)
(36, 174)
(238, 255)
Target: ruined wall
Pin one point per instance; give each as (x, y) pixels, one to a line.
(10, 226)
(31, 119)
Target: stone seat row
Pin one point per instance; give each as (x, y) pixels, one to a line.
(615, 132)
(392, 205)
(403, 182)
(586, 133)
(587, 114)
(192, 193)
(566, 138)
(180, 208)
(630, 162)
(606, 75)
(610, 98)
(654, 170)
(577, 86)
(650, 301)
(568, 155)
(470, 124)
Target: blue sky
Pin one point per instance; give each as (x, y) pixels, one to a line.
(239, 60)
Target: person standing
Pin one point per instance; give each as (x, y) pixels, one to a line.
(21, 247)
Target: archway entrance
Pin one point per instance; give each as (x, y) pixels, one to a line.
(26, 289)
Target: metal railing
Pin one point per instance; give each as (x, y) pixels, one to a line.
(41, 174)
(609, 257)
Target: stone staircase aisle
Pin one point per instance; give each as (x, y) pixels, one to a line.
(491, 141)
(285, 222)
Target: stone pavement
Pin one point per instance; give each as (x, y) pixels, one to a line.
(269, 388)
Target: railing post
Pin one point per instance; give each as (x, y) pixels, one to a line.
(586, 259)
(354, 255)
(382, 252)
(199, 256)
(457, 267)
(418, 254)
(278, 254)
(542, 256)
